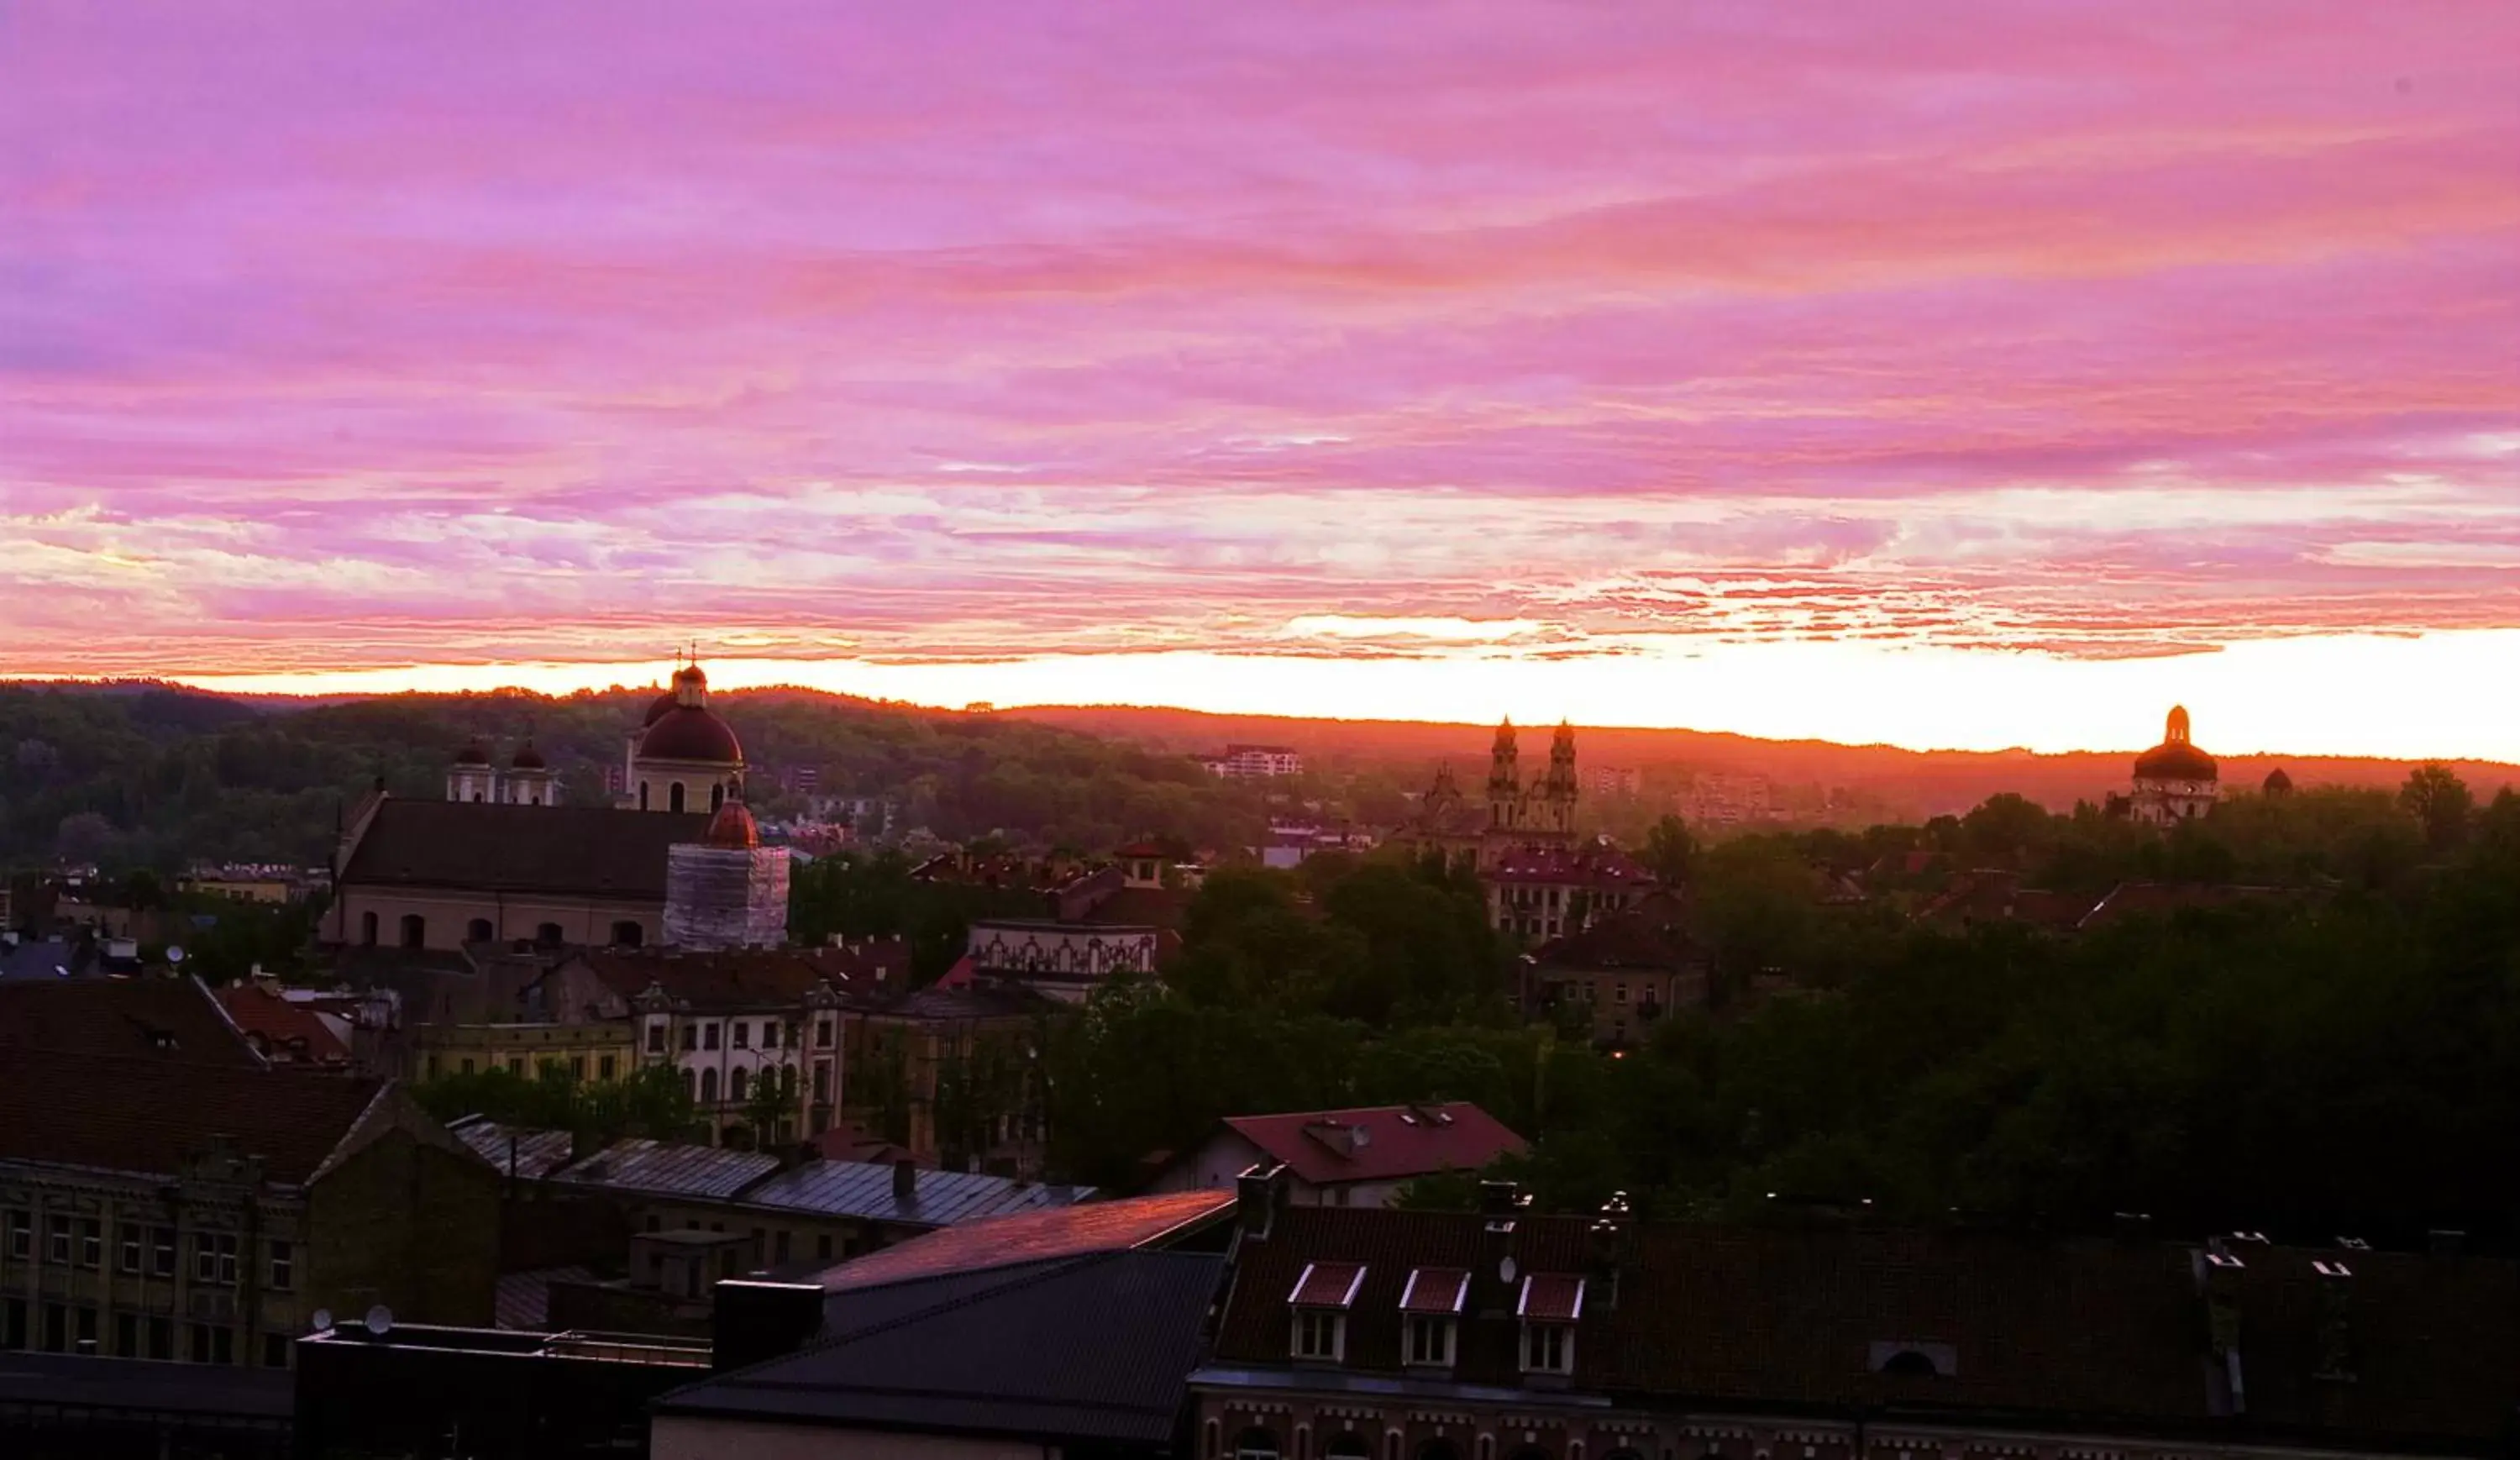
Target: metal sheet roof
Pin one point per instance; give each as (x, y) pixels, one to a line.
(537, 1152)
(940, 1199)
(662, 1169)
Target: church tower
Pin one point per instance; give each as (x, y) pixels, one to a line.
(1505, 780)
(471, 778)
(1557, 793)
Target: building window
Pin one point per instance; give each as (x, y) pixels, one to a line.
(1546, 1348)
(432, 1067)
(1430, 1340)
(1256, 1444)
(22, 1235)
(822, 1033)
(770, 1033)
(127, 1335)
(628, 934)
(548, 935)
(656, 1038)
(708, 1088)
(688, 1093)
(86, 1330)
(735, 1085)
(161, 1251)
(691, 1036)
(57, 1240)
(823, 1082)
(517, 1065)
(823, 1247)
(779, 1248)
(478, 931)
(284, 1267)
(162, 1338)
(57, 1328)
(275, 1350)
(466, 1068)
(415, 930)
(130, 1247)
(91, 1244)
(674, 796)
(708, 1035)
(1319, 1333)
(741, 1033)
(577, 1068)
(608, 1067)
(368, 928)
(214, 1258)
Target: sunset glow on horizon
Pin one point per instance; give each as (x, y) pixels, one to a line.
(1950, 375)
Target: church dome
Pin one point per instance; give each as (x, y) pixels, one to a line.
(528, 759)
(733, 829)
(2177, 757)
(473, 753)
(689, 684)
(691, 732)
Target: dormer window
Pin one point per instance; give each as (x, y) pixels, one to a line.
(1430, 1313)
(1320, 1305)
(1550, 1306)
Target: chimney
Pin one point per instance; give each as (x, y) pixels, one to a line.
(2335, 1321)
(905, 1182)
(751, 1321)
(2218, 1278)
(1258, 1192)
(1612, 1238)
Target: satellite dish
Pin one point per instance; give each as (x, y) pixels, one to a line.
(1359, 1137)
(323, 1320)
(380, 1320)
(175, 953)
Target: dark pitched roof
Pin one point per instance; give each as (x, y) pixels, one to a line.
(170, 1020)
(2083, 1331)
(1554, 866)
(1037, 1236)
(938, 1199)
(1652, 936)
(1075, 1351)
(735, 977)
(577, 850)
(1399, 1141)
(138, 1113)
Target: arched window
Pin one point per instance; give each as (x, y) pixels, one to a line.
(415, 930)
(1910, 1363)
(674, 796)
(642, 795)
(627, 934)
(478, 931)
(1256, 1444)
(735, 1086)
(548, 935)
(688, 1092)
(368, 928)
(708, 1088)
(717, 797)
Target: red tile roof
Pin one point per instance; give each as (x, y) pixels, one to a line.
(748, 978)
(1435, 1289)
(2108, 1333)
(1397, 1142)
(166, 1019)
(1326, 1285)
(140, 1113)
(284, 1033)
(1550, 1298)
(1562, 866)
(1034, 1236)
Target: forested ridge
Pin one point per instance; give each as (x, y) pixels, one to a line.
(153, 776)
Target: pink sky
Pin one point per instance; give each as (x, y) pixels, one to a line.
(1648, 358)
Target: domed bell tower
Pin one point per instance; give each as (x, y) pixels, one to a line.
(1504, 779)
